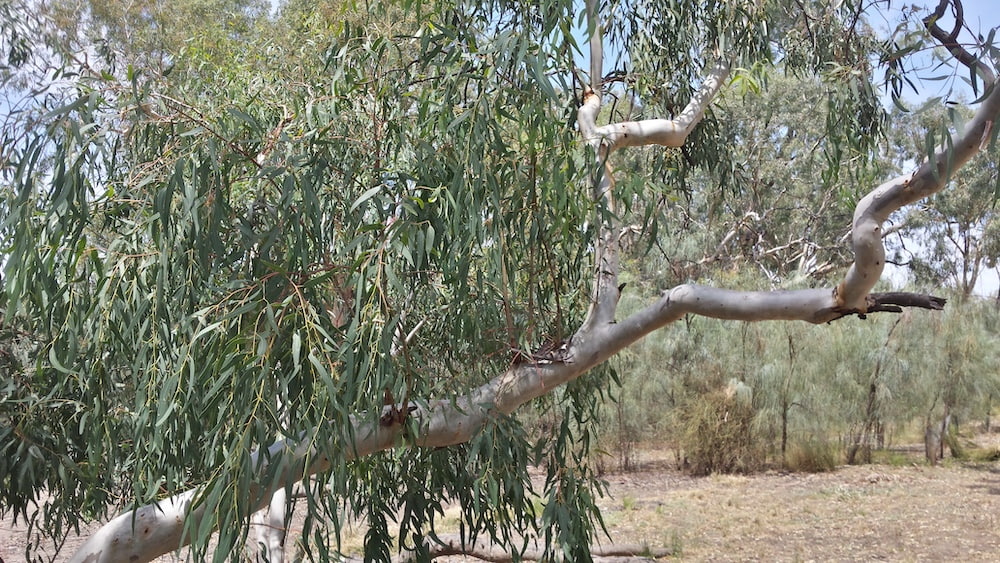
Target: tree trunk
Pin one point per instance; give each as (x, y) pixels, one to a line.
(943, 435)
(932, 442)
(271, 529)
(989, 408)
(784, 428)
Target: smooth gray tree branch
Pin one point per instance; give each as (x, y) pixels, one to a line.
(667, 132)
(605, 292)
(929, 178)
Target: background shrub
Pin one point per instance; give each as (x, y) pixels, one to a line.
(717, 434)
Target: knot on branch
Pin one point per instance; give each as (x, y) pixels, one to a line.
(551, 351)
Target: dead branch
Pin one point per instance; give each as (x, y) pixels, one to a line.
(894, 301)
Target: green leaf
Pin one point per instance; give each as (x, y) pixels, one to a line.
(246, 118)
(76, 104)
(296, 350)
(367, 195)
(54, 361)
(205, 330)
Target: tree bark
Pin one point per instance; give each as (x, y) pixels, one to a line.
(270, 524)
(989, 408)
(932, 442)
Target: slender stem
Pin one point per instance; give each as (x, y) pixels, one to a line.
(596, 47)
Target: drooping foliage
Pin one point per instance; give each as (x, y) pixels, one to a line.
(221, 237)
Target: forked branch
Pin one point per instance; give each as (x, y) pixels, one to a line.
(606, 139)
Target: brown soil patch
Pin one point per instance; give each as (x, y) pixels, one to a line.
(856, 513)
(860, 513)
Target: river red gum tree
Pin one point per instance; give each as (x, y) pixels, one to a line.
(346, 328)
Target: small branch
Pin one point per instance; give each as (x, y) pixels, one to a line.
(894, 301)
(667, 132)
(596, 47)
(273, 137)
(950, 40)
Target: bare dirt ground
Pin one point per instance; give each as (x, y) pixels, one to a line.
(901, 512)
(856, 513)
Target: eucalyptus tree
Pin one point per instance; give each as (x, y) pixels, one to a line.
(953, 237)
(954, 381)
(155, 35)
(352, 280)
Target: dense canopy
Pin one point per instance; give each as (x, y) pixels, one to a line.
(337, 245)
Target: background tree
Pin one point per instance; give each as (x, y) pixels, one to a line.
(238, 281)
(952, 238)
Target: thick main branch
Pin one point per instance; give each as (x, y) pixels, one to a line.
(929, 178)
(157, 529)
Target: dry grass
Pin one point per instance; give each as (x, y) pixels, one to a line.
(895, 513)
(898, 511)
